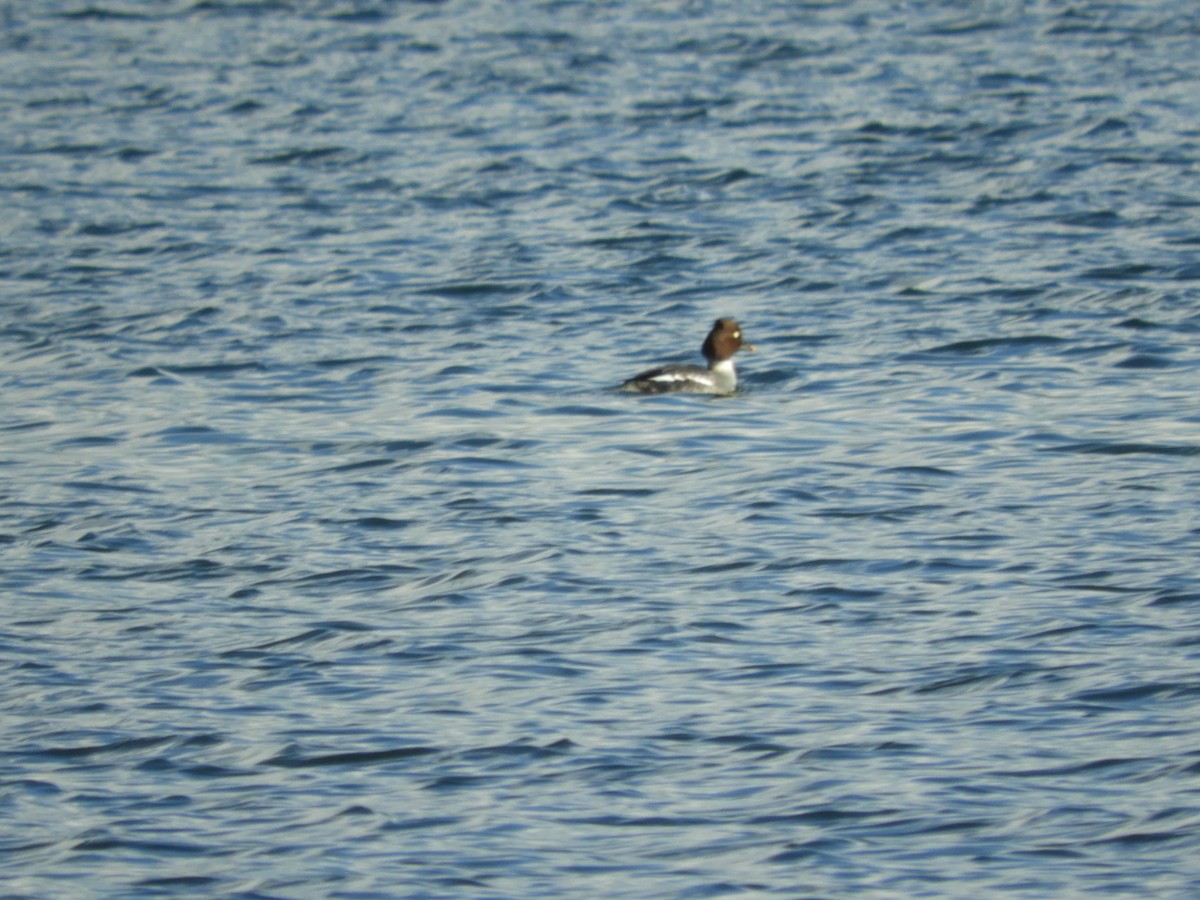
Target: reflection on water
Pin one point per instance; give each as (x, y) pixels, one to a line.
(333, 565)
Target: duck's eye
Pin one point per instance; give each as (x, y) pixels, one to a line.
(737, 334)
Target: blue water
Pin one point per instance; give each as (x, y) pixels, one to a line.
(331, 566)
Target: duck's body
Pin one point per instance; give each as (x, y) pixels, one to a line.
(719, 377)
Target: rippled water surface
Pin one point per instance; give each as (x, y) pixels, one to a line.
(332, 566)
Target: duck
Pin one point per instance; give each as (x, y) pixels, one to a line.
(718, 377)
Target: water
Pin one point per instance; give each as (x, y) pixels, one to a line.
(331, 566)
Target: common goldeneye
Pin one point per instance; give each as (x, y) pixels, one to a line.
(722, 342)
